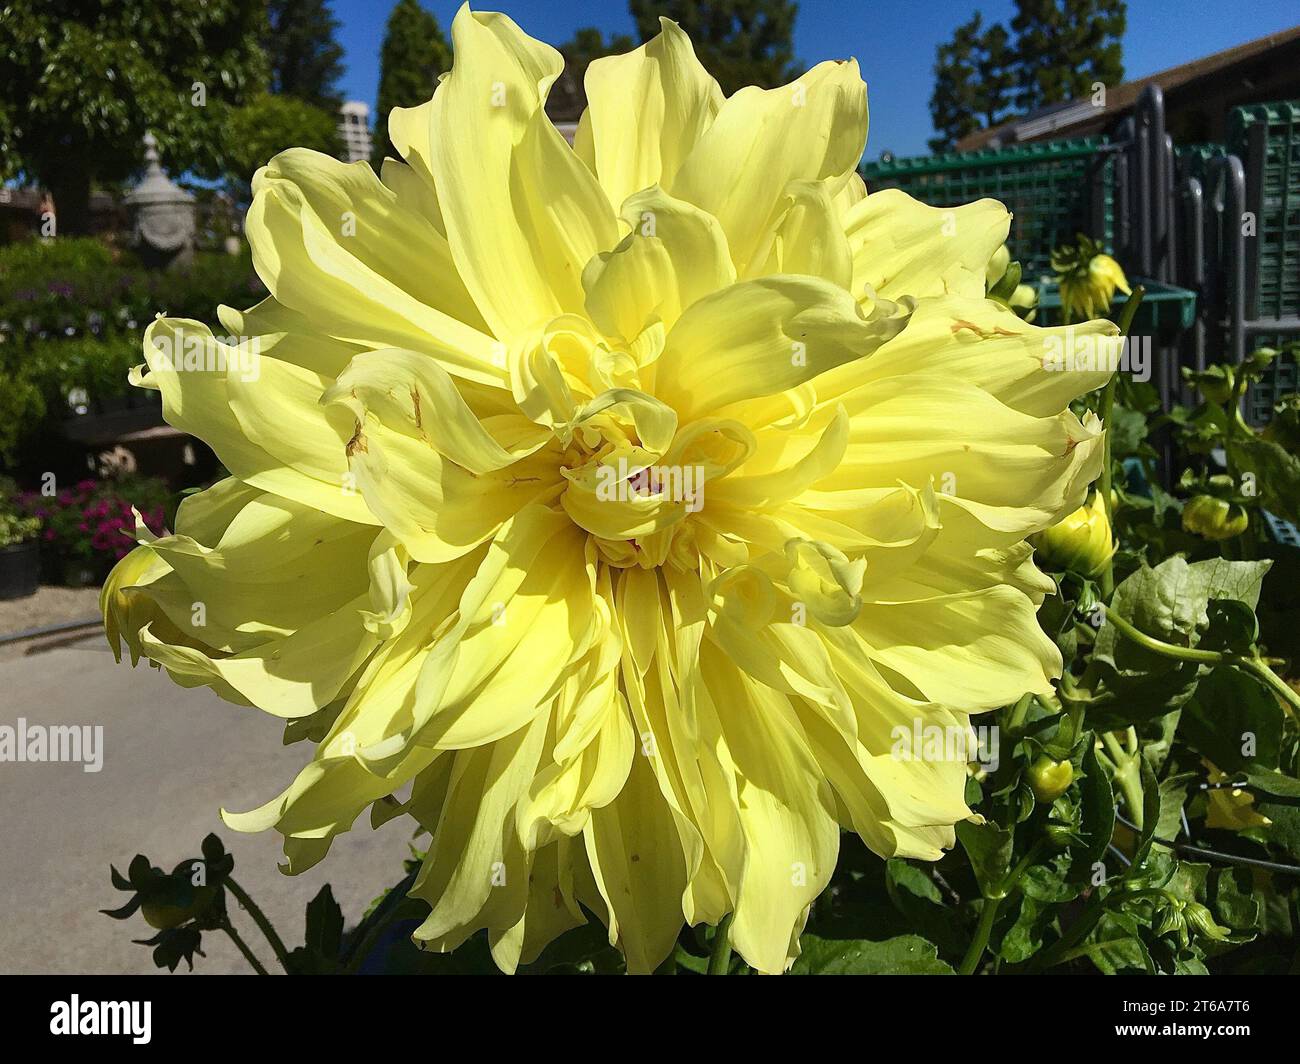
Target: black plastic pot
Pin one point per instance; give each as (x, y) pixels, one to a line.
(20, 570)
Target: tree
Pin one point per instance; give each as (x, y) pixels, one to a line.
(414, 54)
(306, 60)
(267, 125)
(81, 84)
(974, 79)
(740, 42)
(1064, 47)
(568, 96)
(589, 44)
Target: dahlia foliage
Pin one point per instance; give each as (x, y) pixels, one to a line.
(610, 509)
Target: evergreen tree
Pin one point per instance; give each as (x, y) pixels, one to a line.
(306, 61)
(1060, 49)
(974, 77)
(568, 97)
(1064, 47)
(414, 54)
(740, 42)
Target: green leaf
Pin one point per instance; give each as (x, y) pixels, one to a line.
(905, 955)
(989, 849)
(1233, 626)
(1277, 474)
(1024, 937)
(1050, 880)
(1233, 901)
(1151, 802)
(1128, 428)
(1171, 602)
(902, 876)
(324, 924)
(1274, 783)
(1229, 709)
(1173, 794)
(1118, 945)
(1097, 818)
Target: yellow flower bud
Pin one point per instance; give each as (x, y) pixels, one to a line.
(1211, 518)
(1087, 290)
(1050, 779)
(1082, 543)
(997, 266)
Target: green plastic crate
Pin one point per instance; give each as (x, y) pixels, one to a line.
(1273, 178)
(1166, 309)
(1193, 160)
(1053, 189)
(1277, 244)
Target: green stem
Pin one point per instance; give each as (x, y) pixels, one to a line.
(1106, 580)
(1167, 650)
(1260, 670)
(984, 928)
(720, 957)
(259, 918)
(1130, 309)
(249, 956)
(1127, 775)
(979, 943)
(1114, 749)
(1256, 666)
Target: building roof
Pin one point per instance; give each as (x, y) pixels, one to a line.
(1071, 118)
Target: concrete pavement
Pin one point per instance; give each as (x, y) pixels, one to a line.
(171, 759)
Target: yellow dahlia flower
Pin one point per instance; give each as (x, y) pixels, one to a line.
(608, 509)
(1088, 279)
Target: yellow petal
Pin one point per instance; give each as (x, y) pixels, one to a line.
(758, 338)
(523, 213)
(903, 247)
(762, 139)
(646, 110)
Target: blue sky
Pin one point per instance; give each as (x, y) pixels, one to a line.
(893, 40)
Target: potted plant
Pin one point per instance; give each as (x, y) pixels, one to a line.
(20, 557)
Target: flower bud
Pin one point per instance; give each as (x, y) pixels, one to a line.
(1081, 543)
(1200, 920)
(170, 911)
(1211, 518)
(1025, 297)
(997, 266)
(1088, 282)
(1050, 779)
